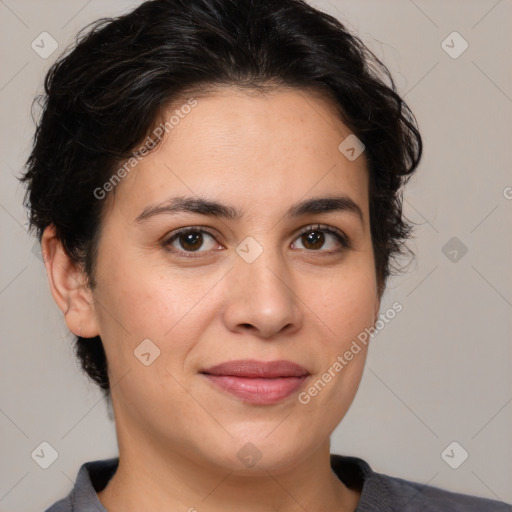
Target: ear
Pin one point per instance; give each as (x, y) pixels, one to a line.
(68, 285)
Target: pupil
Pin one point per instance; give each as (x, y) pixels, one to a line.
(315, 238)
(193, 240)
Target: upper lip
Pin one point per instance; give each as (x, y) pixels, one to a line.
(252, 368)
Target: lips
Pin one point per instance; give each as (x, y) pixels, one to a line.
(251, 368)
(257, 382)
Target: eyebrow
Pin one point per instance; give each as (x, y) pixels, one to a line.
(211, 208)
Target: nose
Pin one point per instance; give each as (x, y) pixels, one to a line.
(262, 297)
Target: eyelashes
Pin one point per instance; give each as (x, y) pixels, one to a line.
(338, 235)
(193, 238)
(180, 234)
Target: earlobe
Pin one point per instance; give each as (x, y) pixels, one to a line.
(68, 285)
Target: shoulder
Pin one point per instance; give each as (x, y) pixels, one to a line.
(92, 476)
(384, 493)
(63, 505)
(404, 495)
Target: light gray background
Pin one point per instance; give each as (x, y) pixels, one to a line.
(439, 372)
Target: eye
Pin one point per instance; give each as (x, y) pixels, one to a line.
(187, 241)
(190, 240)
(313, 238)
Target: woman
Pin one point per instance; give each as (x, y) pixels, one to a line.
(216, 187)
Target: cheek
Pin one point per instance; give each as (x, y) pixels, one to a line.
(136, 305)
(147, 333)
(347, 303)
(346, 307)
(140, 300)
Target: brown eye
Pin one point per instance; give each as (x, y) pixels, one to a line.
(190, 240)
(314, 238)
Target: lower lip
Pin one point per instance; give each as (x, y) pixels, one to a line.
(258, 390)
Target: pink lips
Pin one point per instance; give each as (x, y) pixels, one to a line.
(258, 382)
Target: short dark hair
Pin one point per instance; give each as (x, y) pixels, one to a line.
(106, 93)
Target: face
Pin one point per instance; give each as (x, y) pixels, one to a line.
(276, 282)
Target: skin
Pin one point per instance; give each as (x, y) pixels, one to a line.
(178, 434)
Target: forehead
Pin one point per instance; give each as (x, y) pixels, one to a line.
(251, 149)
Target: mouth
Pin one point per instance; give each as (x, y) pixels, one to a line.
(257, 382)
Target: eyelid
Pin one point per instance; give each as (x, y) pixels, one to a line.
(342, 238)
(168, 240)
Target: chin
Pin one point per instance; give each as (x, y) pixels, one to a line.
(260, 455)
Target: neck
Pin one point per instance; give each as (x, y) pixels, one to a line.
(149, 479)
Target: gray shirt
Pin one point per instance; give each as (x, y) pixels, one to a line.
(379, 492)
